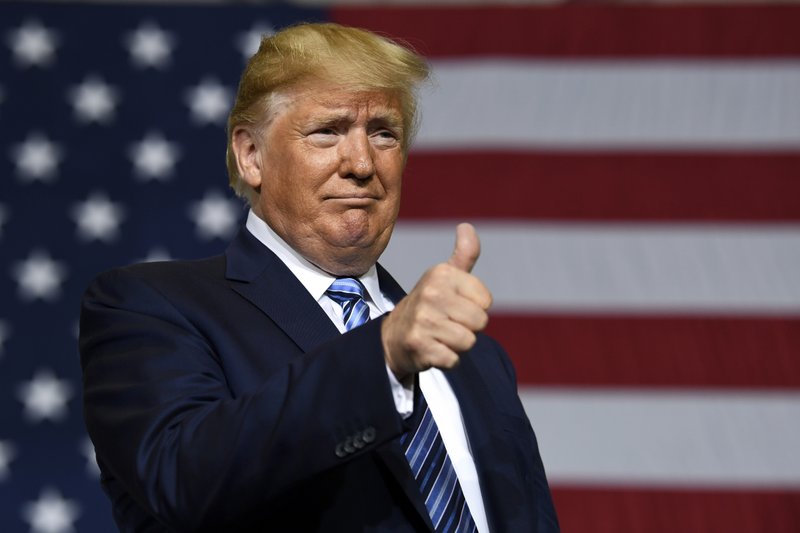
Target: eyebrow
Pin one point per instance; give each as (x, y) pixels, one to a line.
(391, 119)
(384, 116)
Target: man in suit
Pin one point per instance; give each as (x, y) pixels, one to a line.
(291, 384)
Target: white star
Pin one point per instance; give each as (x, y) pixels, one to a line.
(215, 215)
(5, 333)
(87, 449)
(7, 454)
(153, 157)
(249, 41)
(98, 218)
(51, 513)
(94, 100)
(37, 158)
(32, 44)
(45, 396)
(209, 102)
(39, 277)
(150, 46)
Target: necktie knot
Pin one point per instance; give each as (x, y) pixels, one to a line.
(349, 293)
(344, 289)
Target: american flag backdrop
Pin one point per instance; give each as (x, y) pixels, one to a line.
(633, 171)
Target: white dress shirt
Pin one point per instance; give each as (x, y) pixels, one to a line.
(433, 383)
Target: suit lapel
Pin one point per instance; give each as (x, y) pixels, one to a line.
(490, 434)
(389, 286)
(260, 276)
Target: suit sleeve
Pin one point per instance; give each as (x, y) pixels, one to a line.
(165, 423)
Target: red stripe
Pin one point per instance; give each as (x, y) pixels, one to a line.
(651, 351)
(585, 186)
(583, 510)
(588, 30)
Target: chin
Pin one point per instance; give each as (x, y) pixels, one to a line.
(354, 249)
(347, 261)
(355, 229)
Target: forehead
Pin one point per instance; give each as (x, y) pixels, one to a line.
(320, 102)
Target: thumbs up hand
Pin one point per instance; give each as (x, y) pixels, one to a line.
(439, 318)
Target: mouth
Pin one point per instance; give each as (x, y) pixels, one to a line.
(354, 199)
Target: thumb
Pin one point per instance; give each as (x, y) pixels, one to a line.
(468, 248)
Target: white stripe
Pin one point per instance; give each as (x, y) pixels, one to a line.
(417, 443)
(439, 504)
(704, 438)
(686, 105)
(618, 268)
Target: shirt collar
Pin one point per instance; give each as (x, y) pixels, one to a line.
(314, 279)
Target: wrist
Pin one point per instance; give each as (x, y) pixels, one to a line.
(403, 375)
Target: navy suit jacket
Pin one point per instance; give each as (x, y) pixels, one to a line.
(220, 397)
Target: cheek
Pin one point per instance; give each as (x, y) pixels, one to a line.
(391, 172)
(294, 181)
(309, 170)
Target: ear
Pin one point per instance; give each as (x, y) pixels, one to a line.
(248, 157)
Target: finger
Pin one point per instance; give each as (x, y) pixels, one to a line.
(468, 314)
(446, 286)
(440, 356)
(467, 249)
(475, 291)
(465, 305)
(455, 336)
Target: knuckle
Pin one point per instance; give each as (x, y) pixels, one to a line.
(430, 292)
(414, 341)
(441, 272)
(423, 320)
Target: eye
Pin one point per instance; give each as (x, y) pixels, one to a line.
(323, 137)
(385, 137)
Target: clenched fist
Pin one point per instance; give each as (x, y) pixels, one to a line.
(439, 318)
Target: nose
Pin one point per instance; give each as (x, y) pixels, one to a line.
(355, 156)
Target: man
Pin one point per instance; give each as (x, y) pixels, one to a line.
(291, 385)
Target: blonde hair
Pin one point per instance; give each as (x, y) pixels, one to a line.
(351, 58)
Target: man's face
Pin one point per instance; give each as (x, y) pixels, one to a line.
(329, 169)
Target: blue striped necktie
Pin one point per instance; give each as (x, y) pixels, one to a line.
(349, 293)
(435, 475)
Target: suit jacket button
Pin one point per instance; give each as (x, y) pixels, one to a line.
(348, 445)
(340, 450)
(368, 435)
